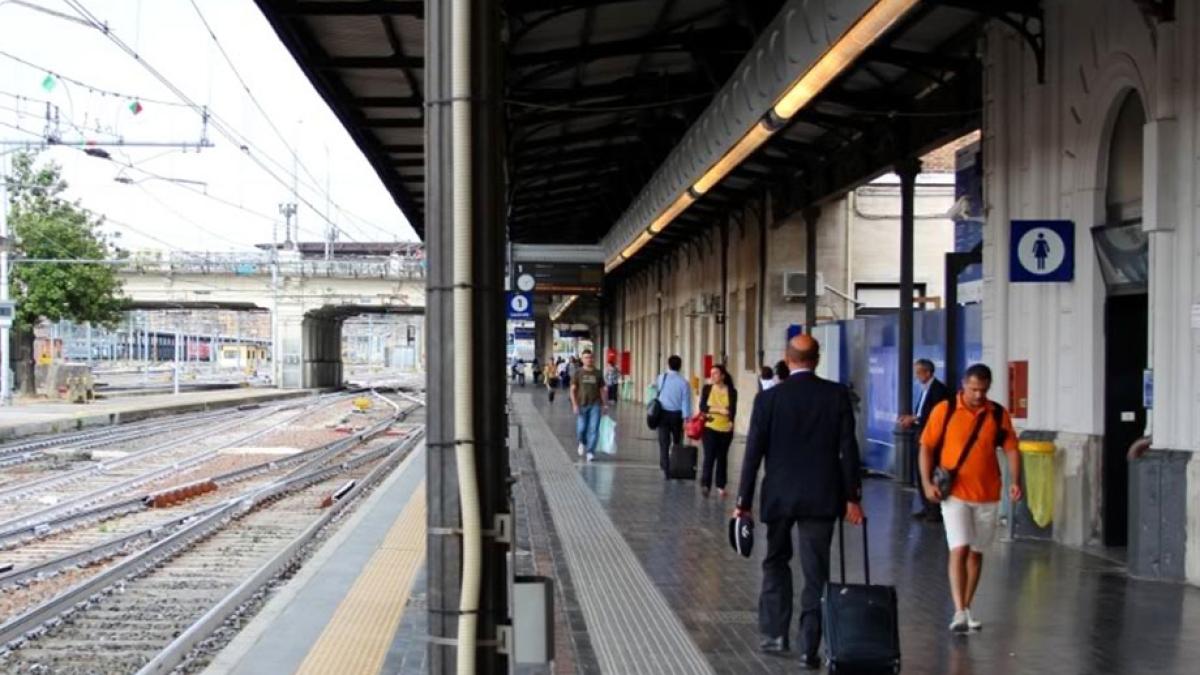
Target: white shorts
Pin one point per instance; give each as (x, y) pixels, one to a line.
(969, 523)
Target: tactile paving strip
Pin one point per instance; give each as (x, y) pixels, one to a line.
(633, 629)
(357, 638)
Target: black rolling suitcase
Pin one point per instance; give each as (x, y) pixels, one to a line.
(860, 621)
(681, 464)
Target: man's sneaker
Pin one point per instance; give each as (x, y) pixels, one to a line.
(581, 449)
(591, 457)
(972, 623)
(959, 623)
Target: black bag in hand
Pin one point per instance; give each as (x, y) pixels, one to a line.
(654, 410)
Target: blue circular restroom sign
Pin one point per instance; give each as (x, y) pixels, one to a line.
(1042, 251)
(520, 306)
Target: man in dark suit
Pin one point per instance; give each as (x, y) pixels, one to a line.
(933, 392)
(804, 429)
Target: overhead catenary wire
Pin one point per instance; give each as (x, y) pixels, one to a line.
(98, 90)
(186, 219)
(255, 102)
(223, 128)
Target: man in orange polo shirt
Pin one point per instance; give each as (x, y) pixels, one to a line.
(970, 510)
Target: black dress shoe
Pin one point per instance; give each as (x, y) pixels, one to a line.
(773, 645)
(811, 662)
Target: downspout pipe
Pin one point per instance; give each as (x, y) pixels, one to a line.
(464, 387)
(723, 316)
(762, 281)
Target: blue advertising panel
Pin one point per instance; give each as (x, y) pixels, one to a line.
(882, 378)
(968, 211)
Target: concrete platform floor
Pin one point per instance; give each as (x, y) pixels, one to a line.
(1046, 608)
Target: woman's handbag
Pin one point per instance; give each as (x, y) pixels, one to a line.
(694, 427)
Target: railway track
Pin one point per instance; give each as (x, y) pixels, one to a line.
(32, 450)
(98, 504)
(40, 499)
(50, 553)
(151, 610)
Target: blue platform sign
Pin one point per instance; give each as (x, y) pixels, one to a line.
(520, 305)
(1042, 251)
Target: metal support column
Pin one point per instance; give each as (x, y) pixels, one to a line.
(444, 543)
(907, 170)
(811, 215)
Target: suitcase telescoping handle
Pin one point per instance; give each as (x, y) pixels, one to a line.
(842, 551)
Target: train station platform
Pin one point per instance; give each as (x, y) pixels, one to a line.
(650, 584)
(45, 417)
(355, 606)
(645, 581)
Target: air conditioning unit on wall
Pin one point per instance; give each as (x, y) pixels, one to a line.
(795, 285)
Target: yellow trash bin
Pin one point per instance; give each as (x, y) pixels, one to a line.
(1037, 468)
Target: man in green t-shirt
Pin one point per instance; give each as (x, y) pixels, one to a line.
(588, 402)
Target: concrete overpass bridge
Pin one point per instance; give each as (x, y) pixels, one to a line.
(308, 299)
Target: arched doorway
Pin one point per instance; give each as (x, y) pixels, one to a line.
(1121, 246)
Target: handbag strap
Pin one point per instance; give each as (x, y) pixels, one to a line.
(962, 458)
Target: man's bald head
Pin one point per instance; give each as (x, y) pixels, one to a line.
(803, 351)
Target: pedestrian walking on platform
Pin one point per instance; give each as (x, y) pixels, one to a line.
(550, 376)
(718, 402)
(587, 400)
(766, 379)
(612, 379)
(933, 392)
(782, 372)
(564, 374)
(960, 471)
(803, 429)
(675, 396)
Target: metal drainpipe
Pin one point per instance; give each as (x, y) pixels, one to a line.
(762, 280)
(722, 316)
(811, 215)
(658, 298)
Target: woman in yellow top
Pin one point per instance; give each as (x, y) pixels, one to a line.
(718, 404)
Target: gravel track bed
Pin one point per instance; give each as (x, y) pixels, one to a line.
(15, 600)
(160, 460)
(129, 626)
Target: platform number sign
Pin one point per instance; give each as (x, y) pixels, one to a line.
(8, 311)
(520, 306)
(1042, 251)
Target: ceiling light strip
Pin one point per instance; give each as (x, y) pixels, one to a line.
(870, 27)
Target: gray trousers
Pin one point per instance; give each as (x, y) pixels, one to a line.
(813, 539)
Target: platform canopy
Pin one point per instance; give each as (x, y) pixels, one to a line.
(635, 124)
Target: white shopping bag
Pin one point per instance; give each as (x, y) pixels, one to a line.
(606, 441)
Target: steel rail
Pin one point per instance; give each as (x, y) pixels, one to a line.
(36, 518)
(32, 623)
(178, 650)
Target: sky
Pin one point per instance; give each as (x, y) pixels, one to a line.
(217, 199)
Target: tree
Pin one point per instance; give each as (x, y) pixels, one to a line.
(45, 226)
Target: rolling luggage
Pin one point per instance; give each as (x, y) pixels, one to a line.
(682, 462)
(860, 621)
